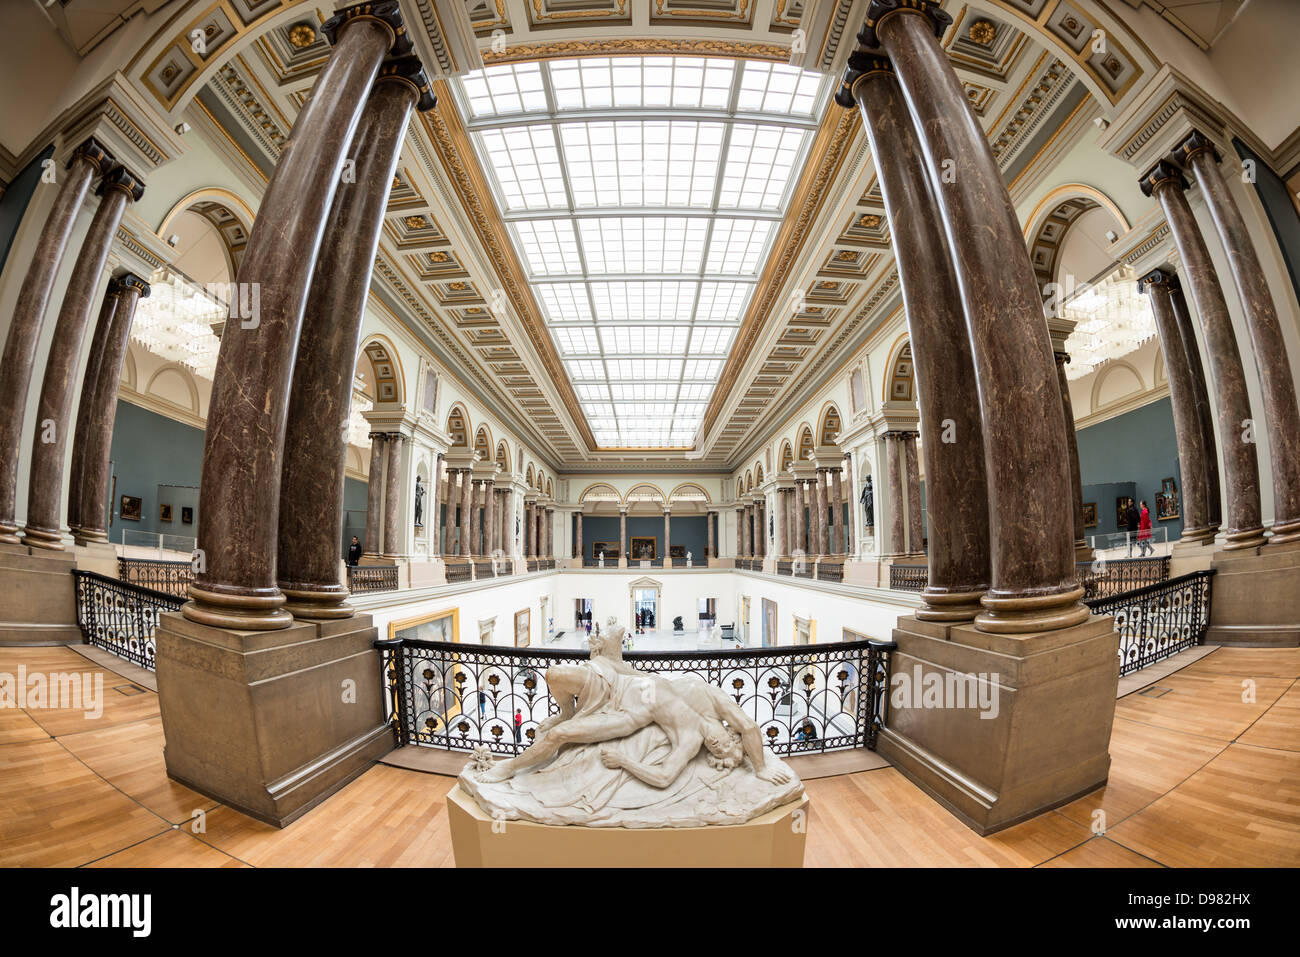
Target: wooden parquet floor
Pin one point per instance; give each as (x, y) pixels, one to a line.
(1205, 772)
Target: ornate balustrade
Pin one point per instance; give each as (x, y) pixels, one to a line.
(365, 579)
(804, 698)
(830, 571)
(459, 572)
(174, 578)
(120, 617)
(1106, 577)
(1158, 620)
(908, 577)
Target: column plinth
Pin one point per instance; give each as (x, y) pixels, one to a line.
(1240, 467)
(88, 161)
(243, 450)
(1281, 413)
(54, 418)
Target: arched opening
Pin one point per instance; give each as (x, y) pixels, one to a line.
(458, 427)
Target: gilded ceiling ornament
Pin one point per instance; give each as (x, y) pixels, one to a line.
(846, 255)
(869, 221)
(458, 285)
(439, 256)
(302, 35)
(416, 222)
(982, 32)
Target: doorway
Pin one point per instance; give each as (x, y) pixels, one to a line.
(744, 619)
(769, 623)
(707, 612)
(582, 614)
(645, 608)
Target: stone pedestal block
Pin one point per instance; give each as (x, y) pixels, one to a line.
(427, 574)
(774, 839)
(98, 557)
(1189, 556)
(270, 723)
(1255, 597)
(1021, 724)
(40, 597)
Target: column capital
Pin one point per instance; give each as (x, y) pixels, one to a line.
(386, 12)
(861, 64)
(131, 281)
(1162, 174)
(409, 70)
(1196, 142)
(879, 10)
(94, 151)
(1158, 277)
(119, 177)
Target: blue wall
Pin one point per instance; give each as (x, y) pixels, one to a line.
(16, 197)
(150, 450)
(1130, 455)
(687, 530)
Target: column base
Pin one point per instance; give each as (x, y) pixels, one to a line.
(774, 839)
(49, 539)
(950, 606)
(259, 609)
(311, 602)
(1249, 538)
(1255, 597)
(1036, 734)
(40, 605)
(1014, 614)
(1285, 533)
(258, 720)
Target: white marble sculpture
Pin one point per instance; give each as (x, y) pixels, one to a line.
(634, 749)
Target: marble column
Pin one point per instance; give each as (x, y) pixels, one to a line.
(375, 497)
(320, 401)
(89, 379)
(894, 465)
(849, 530)
(578, 544)
(1281, 413)
(478, 528)
(837, 512)
(530, 530)
(435, 503)
(1034, 583)
(87, 161)
(800, 533)
(740, 532)
(394, 490)
(491, 527)
(782, 514)
(711, 550)
(1240, 466)
(1072, 443)
(239, 507)
(622, 534)
(1182, 396)
(915, 517)
(823, 528)
(508, 518)
(1191, 352)
(749, 530)
(667, 536)
(98, 434)
(54, 413)
(548, 532)
(466, 537)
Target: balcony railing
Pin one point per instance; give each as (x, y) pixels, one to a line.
(908, 577)
(804, 698)
(1106, 577)
(459, 572)
(174, 578)
(121, 617)
(1158, 620)
(830, 571)
(366, 579)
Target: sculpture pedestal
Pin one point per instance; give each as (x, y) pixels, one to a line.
(774, 839)
(270, 722)
(1256, 597)
(40, 597)
(1033, 735)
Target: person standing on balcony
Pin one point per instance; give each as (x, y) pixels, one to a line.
(1144, 532)
(354, 552)
(1132, 522)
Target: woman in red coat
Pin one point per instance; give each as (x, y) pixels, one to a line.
(1144, 532)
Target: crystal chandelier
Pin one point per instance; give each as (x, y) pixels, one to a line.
(1112, 318)
(175, 322)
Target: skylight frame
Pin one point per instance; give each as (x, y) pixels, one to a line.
(575, 288)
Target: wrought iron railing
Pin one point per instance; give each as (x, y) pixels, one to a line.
(1158, 620)
(830, 571)
(121, 617)
(459, 572)
(695, 562)
(174, 578)
(908, 577)
(364, 579)
(1106, 577)
(804, 698)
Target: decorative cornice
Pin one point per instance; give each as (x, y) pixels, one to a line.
(638, 47)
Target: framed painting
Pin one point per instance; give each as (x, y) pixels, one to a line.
(132, 508)
(187, 515)
(165, 512)
(1121, 512)
(644, 547)
(440, 626)
(676, 551)
(1090, 514)
(523, 623)
(1167, 506)
(608, 549)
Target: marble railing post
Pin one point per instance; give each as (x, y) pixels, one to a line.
(819, 498)
(1034, 583)
(1281, 413)
(915, 518)
(578, 545)
(435, 503)
(239, 509)
(1182, 396)
(800, 524)
(54, 414)
(837, 512)
(1072, 443)
(1191, 352)
(98, 436)
(849, 530)
(375, 497)
(897, 507)
(394, 490)
(89, 378)
(88, 161)
(320, 402)
(1240, 466)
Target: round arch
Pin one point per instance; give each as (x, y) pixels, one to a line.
(187, 379)
(830, 423)
(805, 443)
(1108, 371)
(458, 426)
(690, 492)
(786, 457)
(503, 456)
(900, 382)
(228, 213)
(600, 493)
(387, 377)
(1052, 218)
(483, 443)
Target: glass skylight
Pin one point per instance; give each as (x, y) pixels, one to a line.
(643, 195)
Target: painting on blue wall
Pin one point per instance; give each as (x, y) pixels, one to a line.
(1089, 514)
(132, 508)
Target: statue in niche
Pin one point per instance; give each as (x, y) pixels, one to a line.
(868, 501)
(634, 749)
(419, 503)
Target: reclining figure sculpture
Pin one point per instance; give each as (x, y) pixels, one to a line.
(634, 749)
